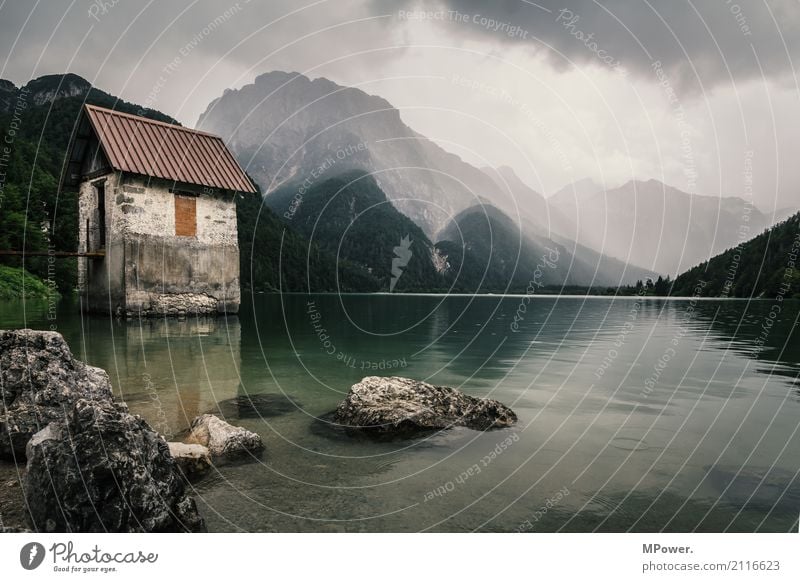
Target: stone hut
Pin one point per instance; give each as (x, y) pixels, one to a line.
(157, 216)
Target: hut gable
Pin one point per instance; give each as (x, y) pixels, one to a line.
(136, 145)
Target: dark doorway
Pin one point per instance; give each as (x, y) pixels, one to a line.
(101, 215)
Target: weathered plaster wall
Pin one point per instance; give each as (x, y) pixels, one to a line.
(161, 273)
(100, 280)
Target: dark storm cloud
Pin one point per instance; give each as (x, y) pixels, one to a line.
(699, 44)
(154, 52)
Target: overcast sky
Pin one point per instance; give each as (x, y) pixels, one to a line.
(701, 95)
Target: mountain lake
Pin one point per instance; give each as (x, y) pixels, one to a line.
(635, 414)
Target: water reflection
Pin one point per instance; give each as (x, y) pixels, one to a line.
(167, 370)
(654, 414)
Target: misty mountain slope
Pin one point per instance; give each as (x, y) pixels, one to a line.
(656, 226)
(492, 254)
(757, 268)
(539, 218)
(285, 127)
(350, 217)
(575, 192)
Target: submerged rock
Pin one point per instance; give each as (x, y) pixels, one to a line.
(40, 379)
(103, 469)
(397, 405)
(263, 405)
(192, 460)
(223, 439)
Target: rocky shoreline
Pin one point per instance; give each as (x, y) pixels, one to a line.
(89, 464)
(73, 459)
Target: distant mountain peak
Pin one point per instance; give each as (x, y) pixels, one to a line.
(287, 128)
(49, 88)
(579, 188)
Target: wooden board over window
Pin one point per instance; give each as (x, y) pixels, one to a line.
(185, 216)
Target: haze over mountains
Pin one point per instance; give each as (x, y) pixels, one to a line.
(291, 131)
(471, 229)
(654, 225)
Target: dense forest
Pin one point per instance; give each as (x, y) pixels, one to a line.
(274, 257)
(36, 122)
(766, 266)
(349, 216)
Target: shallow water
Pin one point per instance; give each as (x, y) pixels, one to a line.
(634, 414)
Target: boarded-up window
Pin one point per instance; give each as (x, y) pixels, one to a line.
(185, 216)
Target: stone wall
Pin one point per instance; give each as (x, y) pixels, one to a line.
(152, 271)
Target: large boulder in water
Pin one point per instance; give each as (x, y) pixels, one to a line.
(396, 405)
(103, 469)
(223, 439)
(40, 380)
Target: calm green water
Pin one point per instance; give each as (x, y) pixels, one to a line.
(634, 414)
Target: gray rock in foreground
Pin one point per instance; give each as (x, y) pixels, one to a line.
(400, 404)
(192, 460)
(103, 469)
(40, 380)
(223, 439)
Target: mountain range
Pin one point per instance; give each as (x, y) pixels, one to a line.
(656, 226)
(359, 201)
(291, 131)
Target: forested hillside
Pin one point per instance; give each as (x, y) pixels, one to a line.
(36, 122)
(349, 216)
(766, 266)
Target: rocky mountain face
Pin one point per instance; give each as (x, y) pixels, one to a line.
(291, 131)
(655, 226)
(286, 128)
(8, 92)
(69, 91)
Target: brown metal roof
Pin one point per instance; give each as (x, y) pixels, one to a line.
(161, 150)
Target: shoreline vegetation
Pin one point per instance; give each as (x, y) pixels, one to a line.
(18, 284)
